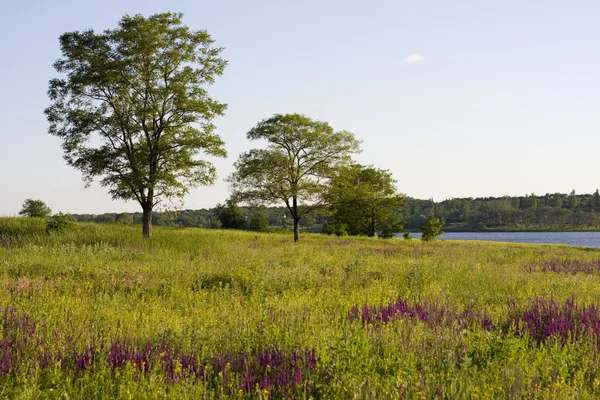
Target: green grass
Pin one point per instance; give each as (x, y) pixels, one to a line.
(212, 292)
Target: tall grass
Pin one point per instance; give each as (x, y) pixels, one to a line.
(100, 312)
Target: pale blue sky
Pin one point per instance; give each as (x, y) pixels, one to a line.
(501, 98)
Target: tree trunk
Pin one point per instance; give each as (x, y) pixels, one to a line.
(296, 229)
(296, 219)
(372, 227)
(372, 220)
(147, 220)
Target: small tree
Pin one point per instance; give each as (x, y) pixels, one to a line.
(364, 201)
(557, 200)
(131, 108)
(230, 216)
(35, 208)
(300, 157)
(573, 200)
(432, 229)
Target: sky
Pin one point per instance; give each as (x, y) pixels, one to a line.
(455, 98)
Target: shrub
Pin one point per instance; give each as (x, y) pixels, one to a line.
(337, 229)
(60, 222)
(432, 229)
(390, 228)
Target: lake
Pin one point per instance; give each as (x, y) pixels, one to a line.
(586, 239)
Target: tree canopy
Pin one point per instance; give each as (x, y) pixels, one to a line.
(131, 108)
(35, 208)
(300, 157)
(259, 219)
(364, 201)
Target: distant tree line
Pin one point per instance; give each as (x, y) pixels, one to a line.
(550, 211)
(248, 218)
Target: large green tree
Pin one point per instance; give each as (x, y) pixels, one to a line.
(35, 208)
(131, 108)
(364, 201)
(294, 168)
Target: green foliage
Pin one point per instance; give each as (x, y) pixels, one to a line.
(573, 200)
(559, 211)
(333, 228)
(406, 235)
(35, 209)
(363, 200)
(124, 218)
(60, 222)
(301, 153)
(390, 227)
(557, 200)
(230, 216)
(139, 92)
(259, 219)
(432, 229)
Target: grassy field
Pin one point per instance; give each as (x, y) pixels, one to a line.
(100, 312)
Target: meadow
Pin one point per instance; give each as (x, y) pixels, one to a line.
(98, 311)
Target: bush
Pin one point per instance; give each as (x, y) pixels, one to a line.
(390, 228)
(60, 222)
(432, 229)
(337, 229)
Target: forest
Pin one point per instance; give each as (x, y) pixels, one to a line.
(558, 211)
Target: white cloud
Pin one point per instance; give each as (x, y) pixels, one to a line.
(413, 58)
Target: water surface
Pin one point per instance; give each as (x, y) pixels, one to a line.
(585, 239)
